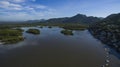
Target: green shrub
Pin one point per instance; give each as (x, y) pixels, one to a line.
(10, 36)
(49, 26)
(33, 31)
(74, 27)
(67, 32)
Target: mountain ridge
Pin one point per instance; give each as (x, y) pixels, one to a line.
(79, 18)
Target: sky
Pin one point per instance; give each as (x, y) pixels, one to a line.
(22, 10)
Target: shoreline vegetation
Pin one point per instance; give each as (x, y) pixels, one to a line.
(9, 36)
(11, 33)
(67, 32)
(75, 27)
(77, 22)
(108, 31)
(33, 31)
(69, 26)
(49, 26)
(106, 36)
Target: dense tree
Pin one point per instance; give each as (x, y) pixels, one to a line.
(10, 36)
(33, 31)
(79, 18)
(108, 30)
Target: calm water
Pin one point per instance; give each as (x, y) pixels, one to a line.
(53, 49)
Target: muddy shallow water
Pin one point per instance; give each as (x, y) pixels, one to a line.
(53, 49)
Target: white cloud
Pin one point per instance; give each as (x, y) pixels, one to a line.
(4, 4)
(14, 10)
(15, 1)
(18, 1)
(31, 15)
(40, 6)
(28, 8)
(10, 6)
(15, 6)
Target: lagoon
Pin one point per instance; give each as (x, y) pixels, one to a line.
(51, 48)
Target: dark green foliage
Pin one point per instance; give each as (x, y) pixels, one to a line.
(70, 26)
(10, 32)
(41, 26)
(49, 26)
(82, 19)
(10, 36)
(79, 18)
(75, 27)
(33, 31)
(56, 20)
(19, 29)
(12, 39)
(67, 32)
(108, 31)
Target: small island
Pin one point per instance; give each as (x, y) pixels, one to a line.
(41, 27)
(67, 32)
(9, 36)
(49, 26)
(33, 31)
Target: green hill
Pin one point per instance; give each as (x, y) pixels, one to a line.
(108, 31)
(79, 18)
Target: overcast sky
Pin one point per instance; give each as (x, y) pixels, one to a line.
(43, 9)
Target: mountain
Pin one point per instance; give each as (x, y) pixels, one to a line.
(79, 18)
(83, 19)
(113, 19)
(34, 21)
(57, 20)
(108, 31)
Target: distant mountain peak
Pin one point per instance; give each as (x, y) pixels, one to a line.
(82, 15)
(78, 18)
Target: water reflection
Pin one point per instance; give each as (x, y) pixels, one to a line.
(52, 49)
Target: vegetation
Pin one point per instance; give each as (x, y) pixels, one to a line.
(33, 31)
(19, 29)
(77, 22)
(67, 32)
(79, 18)
(49, 26)
(8, 36)
(70, 26)
(108, 31)
(75, 27)
(41, 26)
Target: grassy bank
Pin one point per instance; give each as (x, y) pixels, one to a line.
(67, 32)
(8, 36)
(33, 31)
(70, 26)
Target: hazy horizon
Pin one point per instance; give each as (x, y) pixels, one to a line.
(21, 10)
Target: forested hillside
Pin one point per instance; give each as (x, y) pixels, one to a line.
(108, 30)
(79, 18)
